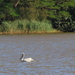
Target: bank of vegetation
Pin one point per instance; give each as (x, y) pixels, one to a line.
(26, 26)
(31, 16)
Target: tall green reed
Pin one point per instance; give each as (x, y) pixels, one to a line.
(27, 26)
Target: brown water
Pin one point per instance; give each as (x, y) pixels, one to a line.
(54, 54)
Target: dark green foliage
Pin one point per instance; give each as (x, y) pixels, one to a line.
(7, 11)
(65, 25)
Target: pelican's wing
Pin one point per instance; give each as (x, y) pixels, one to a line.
(28, 59)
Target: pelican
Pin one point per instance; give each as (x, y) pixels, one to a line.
(23, 59)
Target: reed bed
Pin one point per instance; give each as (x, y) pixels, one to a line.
(26, 26)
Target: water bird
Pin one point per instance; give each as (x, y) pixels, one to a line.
(23, 59)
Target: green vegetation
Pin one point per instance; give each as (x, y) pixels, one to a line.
(26, 26)
(37, 15)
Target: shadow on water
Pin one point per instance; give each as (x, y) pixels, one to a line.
(54, 54)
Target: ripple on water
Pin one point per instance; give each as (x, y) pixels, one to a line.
(54, 54)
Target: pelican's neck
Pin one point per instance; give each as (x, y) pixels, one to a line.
(23, 56)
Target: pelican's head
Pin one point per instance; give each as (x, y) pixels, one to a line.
(23, 54)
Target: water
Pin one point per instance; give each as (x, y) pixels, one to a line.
(54, 54)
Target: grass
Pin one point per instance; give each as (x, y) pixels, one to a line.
(26, 26)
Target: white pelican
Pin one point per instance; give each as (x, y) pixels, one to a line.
(23, 59)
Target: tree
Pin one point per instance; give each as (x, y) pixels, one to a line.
(7, 11)
(60, 12)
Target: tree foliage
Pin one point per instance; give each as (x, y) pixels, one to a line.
(60, 12)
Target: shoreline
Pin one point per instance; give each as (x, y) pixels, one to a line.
(31, 32)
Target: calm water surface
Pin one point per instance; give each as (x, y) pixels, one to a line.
(54, 54)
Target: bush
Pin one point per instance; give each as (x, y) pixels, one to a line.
(64, 25)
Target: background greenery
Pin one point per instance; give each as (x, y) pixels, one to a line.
(27, 26)
(60, 13)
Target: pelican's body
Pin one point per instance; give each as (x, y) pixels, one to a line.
(26, 59)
